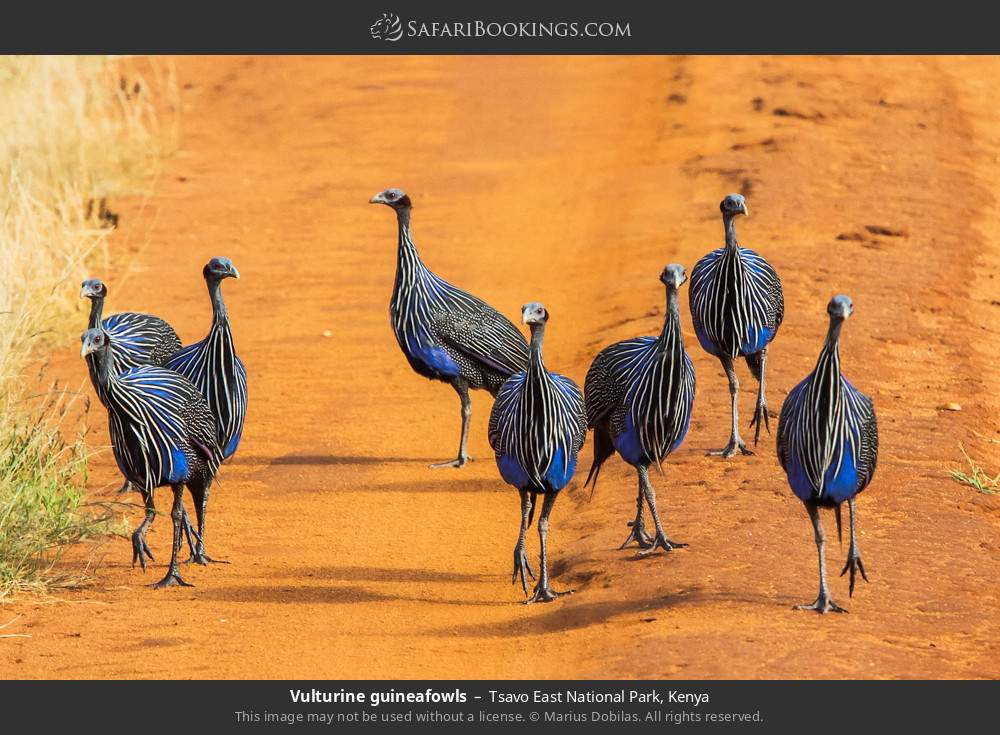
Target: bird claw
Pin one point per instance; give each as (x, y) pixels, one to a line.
(661, 542)
(200, 557)
(730, 450)
(639, 535)
(520, 567)
(822, 605)
(546, 594)
(457, 463)
(140, 550)
(760, 417)
(855, 564)
(173, 579)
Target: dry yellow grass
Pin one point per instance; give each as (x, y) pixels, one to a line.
(74, 133)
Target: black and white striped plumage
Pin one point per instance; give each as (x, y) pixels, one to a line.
(827, 443)
(640, 394)
(136, 339)
(213, 365)
(737, 306)
(219, 375)
(162, 433)
(537, 427)
(444, 332)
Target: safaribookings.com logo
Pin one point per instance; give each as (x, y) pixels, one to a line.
(390, 28)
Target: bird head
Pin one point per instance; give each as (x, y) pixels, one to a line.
(733, 205)
(94, 340)
(673, 276)
(533, 313)
(219, 268)
(840, 307)
(93, 288)
(395, 198)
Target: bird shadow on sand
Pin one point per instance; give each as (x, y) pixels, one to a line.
(573, 613)
(295, 594)
(381, 574)
(343, 459)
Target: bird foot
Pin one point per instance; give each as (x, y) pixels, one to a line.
(662, 542)
(855, 564)
(521, 567)
(639, 535)
(200, 557)
(730, 450)
(823, 605)
(760, 417)
(546, 594)
(456, 463)
(140, 550)
(173, 579)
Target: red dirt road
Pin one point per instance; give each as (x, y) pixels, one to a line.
(572, 181)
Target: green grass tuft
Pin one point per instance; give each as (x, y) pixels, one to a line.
(43, 508)
(976, 477)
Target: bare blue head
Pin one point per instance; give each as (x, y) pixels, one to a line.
(397, 199)
(733, 205)
(840, 307)
(93, 288)
(93, 340)
(534, 312)
(219, 268)
(673, 276)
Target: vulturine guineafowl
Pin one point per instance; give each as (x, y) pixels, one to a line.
(445, 333)
(640, 393)
(136, 339)
(537, 427)
(737, 306)
(162, 433)
(214, 368)
(828, 447)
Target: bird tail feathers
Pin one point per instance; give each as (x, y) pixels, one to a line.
(603, 448)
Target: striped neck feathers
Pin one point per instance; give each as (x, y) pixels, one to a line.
(408, 261)
(671, 334)
(536, 365)
(826, 389)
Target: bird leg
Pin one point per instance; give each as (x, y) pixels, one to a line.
(854, 562)
(823, 603)
(198, 555)
(660, 541)
(638, 533)
(735, 442)
(521, 566)
(760, 414)
(462, 388)
(125, 488)
(543, 592)
(173, 576)
(140, 549)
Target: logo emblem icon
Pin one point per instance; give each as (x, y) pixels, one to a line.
(387, 28)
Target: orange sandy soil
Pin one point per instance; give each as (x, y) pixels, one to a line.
(573, 181)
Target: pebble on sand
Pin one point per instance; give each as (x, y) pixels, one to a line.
(949, 407)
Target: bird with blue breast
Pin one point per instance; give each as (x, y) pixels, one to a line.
(737, 306)
(445, 333)
(163, 433)
(828, 446)
(215, 369)
(639, 394)
(537, 427)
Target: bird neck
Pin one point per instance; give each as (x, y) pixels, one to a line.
(96, 309)
(729, 222)
(536, 365)
(219, 313)
(672, 318)
(408, 260)
(101, 361)
(829, 357)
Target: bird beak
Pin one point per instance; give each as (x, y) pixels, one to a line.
(234, 273)
(83, 293)
(85, 349)
(746, 212)
(377, 199)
